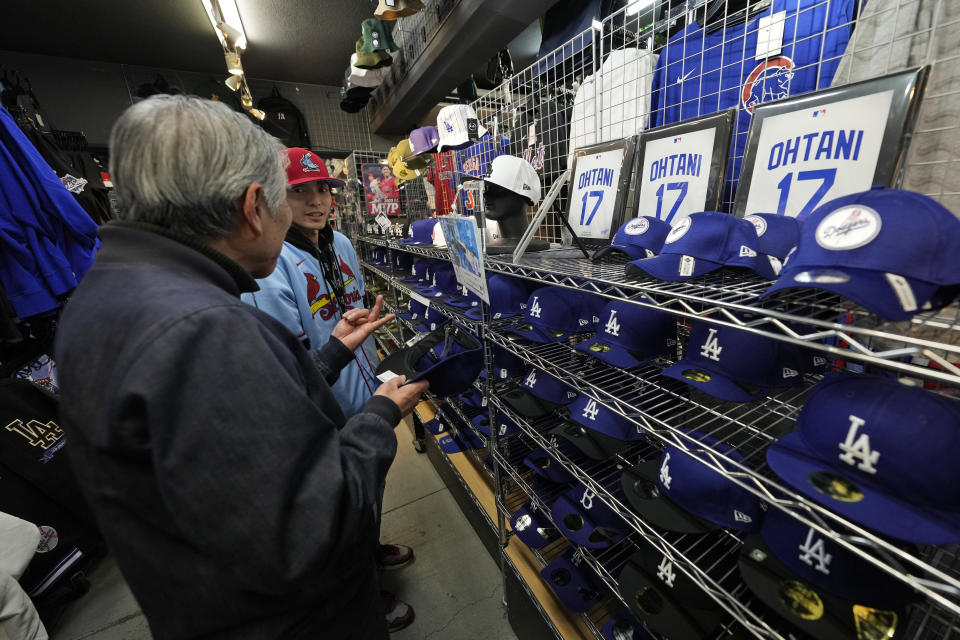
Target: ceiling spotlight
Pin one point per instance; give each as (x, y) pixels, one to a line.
(233, 63)
(258, 114)
(225, 18)
(234, 82)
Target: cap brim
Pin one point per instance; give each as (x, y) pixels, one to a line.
(452, 375)
(538, 532)
(461, 301)
(640, 486)
(709, 381)
(796, 464)
(577, 593)
(670, 618)
(397, 363)
(611, 354)
(816, 613)
(541, 463)
(527, 404)
(593, 444)
(435, 426)
(334, 182)
(536, 334)
(586, 533)
(633, 251)
(666, 266)
(472, 398)
(869, 289)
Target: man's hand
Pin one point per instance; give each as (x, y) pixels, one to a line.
(407, 396)
(357, 324)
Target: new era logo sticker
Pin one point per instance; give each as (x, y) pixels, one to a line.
(747, 252)
(740, 516)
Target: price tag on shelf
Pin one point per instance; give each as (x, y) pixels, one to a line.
(386, 376)
(419, 298)
(383, 221)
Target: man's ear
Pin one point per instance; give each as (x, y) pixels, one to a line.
(253, 207)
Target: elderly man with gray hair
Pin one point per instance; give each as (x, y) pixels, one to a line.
(237, 498)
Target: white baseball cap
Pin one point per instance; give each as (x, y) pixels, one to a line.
(454, 128)
(516, 175)
(363, 77)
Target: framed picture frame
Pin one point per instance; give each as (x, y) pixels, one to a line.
(599, 182)
(807, 150)
(681, 167)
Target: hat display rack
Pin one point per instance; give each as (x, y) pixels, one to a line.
(923, 350)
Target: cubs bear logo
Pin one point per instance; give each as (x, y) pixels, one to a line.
(769, 80)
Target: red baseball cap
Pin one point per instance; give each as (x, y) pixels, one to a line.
(306, 166)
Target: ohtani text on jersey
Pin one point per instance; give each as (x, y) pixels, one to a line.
(829, 144)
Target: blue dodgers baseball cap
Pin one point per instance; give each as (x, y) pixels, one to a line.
(472, 398)
(820, 561)
(638, 238)
(629, 335)
(596, 430)
(436, 426)
(778, 236)
(419, 270)
(505, 426)
(668, 600)
(505, 364)
(533, 527)
(464, 299)
(416, 311)
(543, 464)
(879, 453)
(704, 242)
(452, 443)
(624, 626)
(443, 281)
(402, 262)
(587, 520)
(451, 371)
(538, 394)
(554, 314)
(577, 587)
(679, 493)
(736, 365)
(508, 298)
(894, 252)
(420, 232)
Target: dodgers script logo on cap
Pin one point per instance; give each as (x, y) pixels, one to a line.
(894, 252)
(637, 238)
(880, 453)
(704, 242)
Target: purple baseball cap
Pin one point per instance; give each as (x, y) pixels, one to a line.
(423, 140)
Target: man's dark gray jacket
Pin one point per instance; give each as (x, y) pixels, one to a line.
(237, 499)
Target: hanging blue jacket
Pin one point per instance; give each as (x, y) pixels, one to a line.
(298, 295)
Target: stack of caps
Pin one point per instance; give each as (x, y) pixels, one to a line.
(416, 315)
(420, 232)
(629, 335)
(702, 243)
(667, 599)
(818, 585)
(732, 364)
(596, 430)
(879, 453)
(393, 9)
(422, 141)
(554, 314)
(402, 262)
(538, 395)
(638, 238)
(442, 283)
(419, 270)
(403, 170)
(679, 493)
(458, 127)
(896, 253)
(577, 586)
(465, 299)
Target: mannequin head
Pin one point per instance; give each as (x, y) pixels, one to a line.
(507, 208)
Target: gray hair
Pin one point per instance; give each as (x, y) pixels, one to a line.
(184, 163)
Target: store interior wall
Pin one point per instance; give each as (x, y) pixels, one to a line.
(89, 95)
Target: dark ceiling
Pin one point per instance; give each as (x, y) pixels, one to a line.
(307, 41)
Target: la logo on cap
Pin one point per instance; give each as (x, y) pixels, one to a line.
(665, 478)
(531, 380)
(665, 572)
(711, 346)
(535, 308)
(612, 327)
(856, 449)
(814, 553)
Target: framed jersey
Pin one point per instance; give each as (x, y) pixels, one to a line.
(681, 167)
(599, 182)
(804, 151)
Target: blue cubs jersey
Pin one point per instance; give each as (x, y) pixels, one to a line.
(699, 72)
(297, 295)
